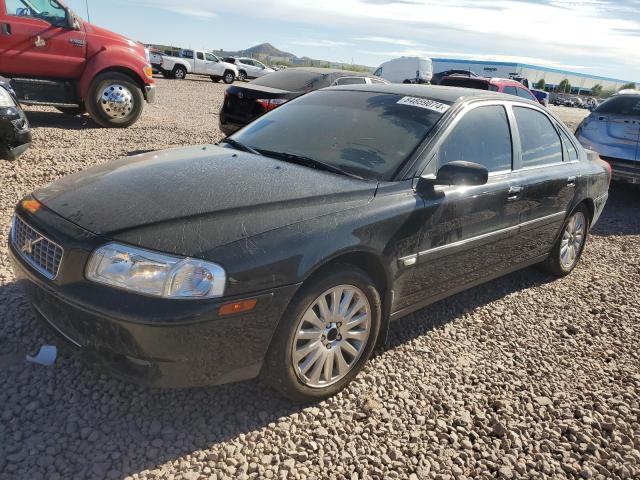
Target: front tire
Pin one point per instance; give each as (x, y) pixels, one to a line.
(114, 100)
(326, 335)
(242, 76)
(568, 249)
(228, 77)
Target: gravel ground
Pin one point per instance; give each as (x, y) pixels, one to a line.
(526, 376)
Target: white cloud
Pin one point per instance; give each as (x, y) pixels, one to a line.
(389, 40)
(319, 43)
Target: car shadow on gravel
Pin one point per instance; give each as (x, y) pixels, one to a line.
(620, 216)
(60, 120)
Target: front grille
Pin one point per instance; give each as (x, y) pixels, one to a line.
(36, 249)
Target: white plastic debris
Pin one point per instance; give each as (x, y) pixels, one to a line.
(46, 356)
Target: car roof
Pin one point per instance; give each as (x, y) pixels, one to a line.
(325, 71)
(434, 92)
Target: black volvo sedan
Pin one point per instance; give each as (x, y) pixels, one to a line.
(286, 251)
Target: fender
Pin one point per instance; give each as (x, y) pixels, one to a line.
(116, 58)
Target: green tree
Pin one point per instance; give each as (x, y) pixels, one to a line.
(541, 84)
(629, 85)
(564, 86)
(596, 90)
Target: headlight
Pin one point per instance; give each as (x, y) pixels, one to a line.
(147, 55)
(151, 273)
(5, 99)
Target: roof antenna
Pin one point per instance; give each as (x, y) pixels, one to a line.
(86, 2)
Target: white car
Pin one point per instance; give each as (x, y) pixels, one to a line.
(406, 70)
(200, 63)
(250, 68)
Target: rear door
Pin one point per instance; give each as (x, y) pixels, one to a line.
(548, 172)
(36, 42)
(469, 229)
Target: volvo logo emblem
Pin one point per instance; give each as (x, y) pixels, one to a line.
(27, 246)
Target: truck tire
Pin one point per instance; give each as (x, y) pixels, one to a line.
(179, 73)
(114, 100)
(228, 77)
(166, 74)
(73, 111)
(242, 76)
(215, 78)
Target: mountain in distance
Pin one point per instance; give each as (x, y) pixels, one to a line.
(268, 50)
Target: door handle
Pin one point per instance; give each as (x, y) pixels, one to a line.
(514, 192)
(6, 29)
(571, 181)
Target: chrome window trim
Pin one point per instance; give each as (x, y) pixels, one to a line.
(26, 259)
(547, 165)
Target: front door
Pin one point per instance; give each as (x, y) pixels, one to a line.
(36, 41)
(468, 229)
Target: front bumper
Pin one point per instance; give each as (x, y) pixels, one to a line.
(15, 134)
(150, 93)
(150, 341)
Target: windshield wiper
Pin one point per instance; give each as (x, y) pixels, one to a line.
(308, 162)
(240, 146)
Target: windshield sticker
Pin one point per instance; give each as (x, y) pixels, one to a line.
(424, 103)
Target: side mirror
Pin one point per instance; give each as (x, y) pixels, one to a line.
(456, 173)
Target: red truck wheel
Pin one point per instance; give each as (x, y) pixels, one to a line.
(114, 100)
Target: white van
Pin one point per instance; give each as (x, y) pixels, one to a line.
(406, 70)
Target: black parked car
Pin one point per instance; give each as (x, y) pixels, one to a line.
(437, 78)
(243, 104)
(286, 251)
(15, 135)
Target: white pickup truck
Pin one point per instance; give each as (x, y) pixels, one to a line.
(200, 63)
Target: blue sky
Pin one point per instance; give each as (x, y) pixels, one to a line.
(601, 37)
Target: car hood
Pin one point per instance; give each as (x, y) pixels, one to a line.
(165, 200)
(98, 37)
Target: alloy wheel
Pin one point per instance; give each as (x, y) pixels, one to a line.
(331, 336)
(572, 240)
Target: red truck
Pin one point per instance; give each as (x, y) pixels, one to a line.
(55, 58)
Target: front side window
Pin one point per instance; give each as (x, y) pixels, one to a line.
(200, 56)
(211, 58)
(48, 10)
(509, 90)
(368, 134)
(481, 136)
(539, 139)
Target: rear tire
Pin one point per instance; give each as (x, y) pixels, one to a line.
(566, 252)
(331, 361)
(179, 73)
(114, 100)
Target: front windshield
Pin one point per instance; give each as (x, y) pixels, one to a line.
(368, 134)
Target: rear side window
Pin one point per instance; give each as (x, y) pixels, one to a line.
(375, 80)
(524, 94)
(571, 153)
(351, 81)
(200, 56)
(482, 136)
(539, 139)
(510, 90)
(621, 105)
